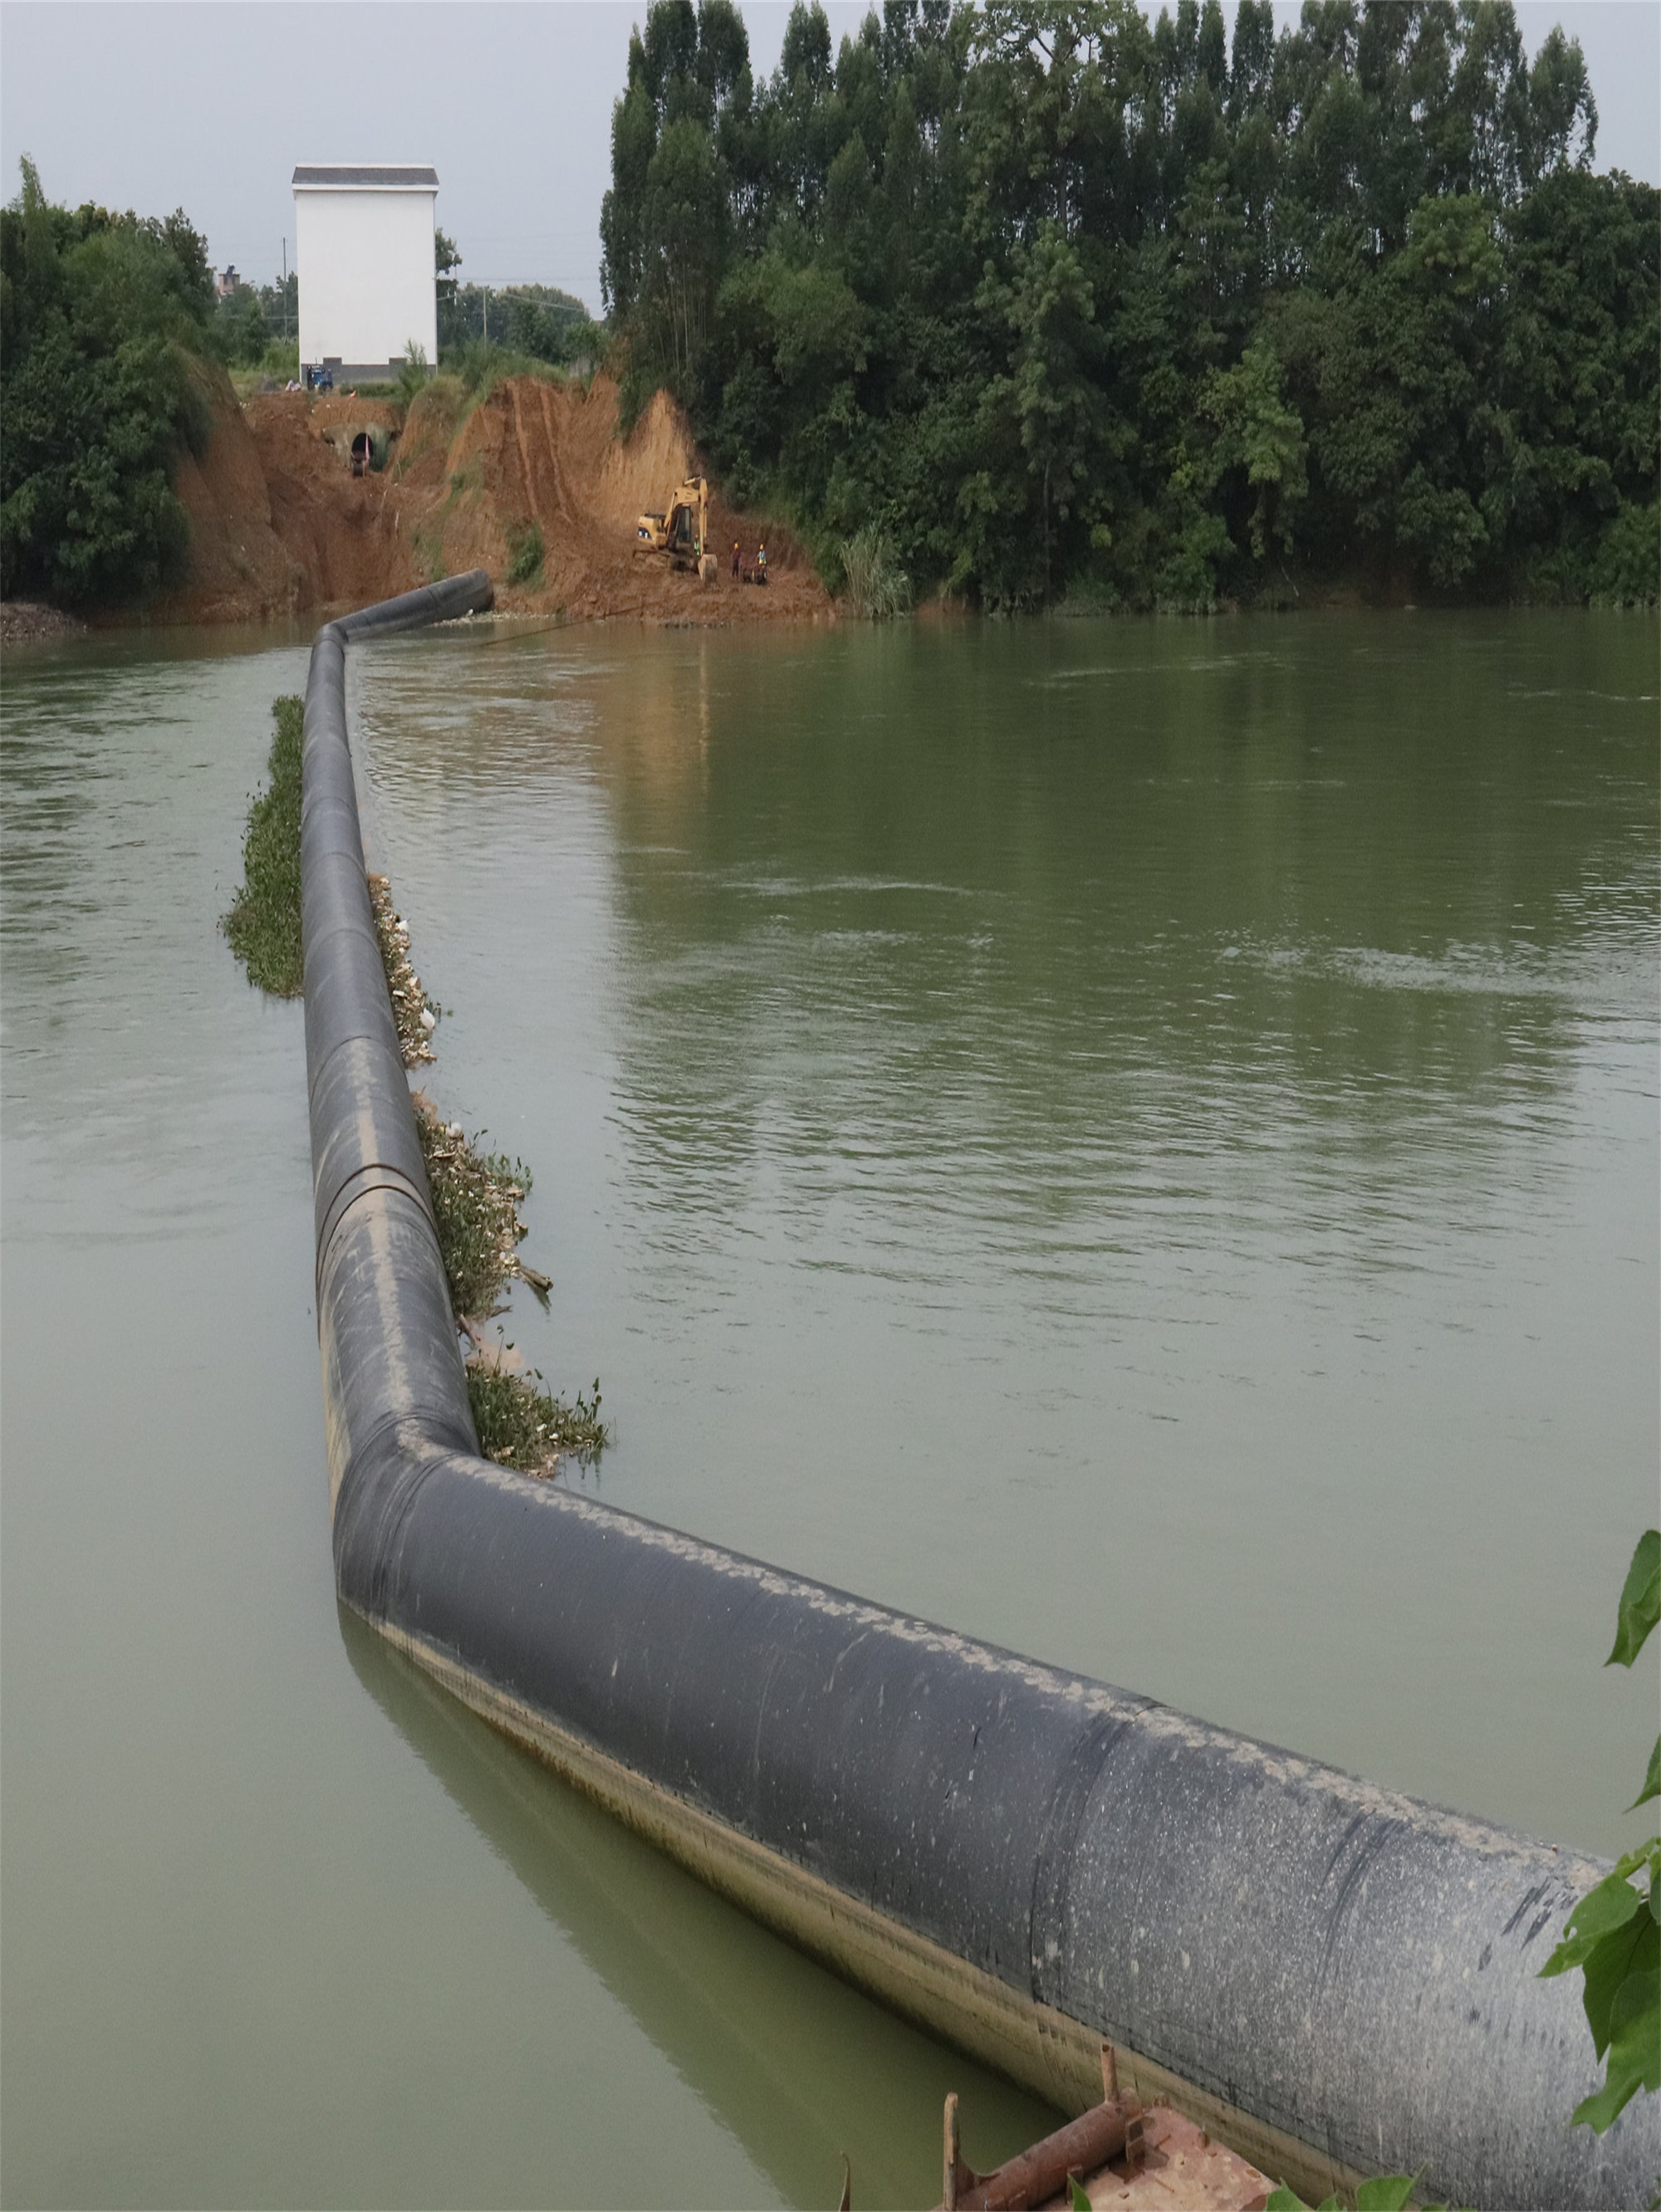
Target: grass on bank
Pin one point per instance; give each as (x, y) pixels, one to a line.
(528, 554)
(521, 1425)
(437, 403)
(278, 367)
(263, 924)
(875, 586)
(415, 1015)
(476, 1194)
(476, 1199)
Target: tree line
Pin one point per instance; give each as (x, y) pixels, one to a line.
(110, 326)
(104, 318)
(257, 326)
(1051, 300)
(538, 321)
(1025, 300)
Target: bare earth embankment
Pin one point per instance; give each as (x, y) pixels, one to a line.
(280, 526)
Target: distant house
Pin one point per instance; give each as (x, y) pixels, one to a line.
(363, 238)
(229, 285)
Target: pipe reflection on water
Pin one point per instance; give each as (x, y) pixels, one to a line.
(796, 2064)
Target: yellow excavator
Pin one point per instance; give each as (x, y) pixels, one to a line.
(682, 530)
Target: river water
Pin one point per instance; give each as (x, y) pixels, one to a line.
(1138, 1141)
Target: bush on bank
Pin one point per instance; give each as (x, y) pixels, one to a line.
(476, 1194)
(103, 318)
(263, 924)
(1062, 300)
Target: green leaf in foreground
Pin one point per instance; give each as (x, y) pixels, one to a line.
(1640, 1602)
(1614, 1933)
(1635, 2049)
(262, 925)
(1651, 1780)
(1614, 1938)
(1386, 2192)
(1631, 1951)
(1599, 1914)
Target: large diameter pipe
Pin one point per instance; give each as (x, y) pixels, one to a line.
(1335, 1978)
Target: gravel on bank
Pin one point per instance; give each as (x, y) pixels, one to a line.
(31, 622)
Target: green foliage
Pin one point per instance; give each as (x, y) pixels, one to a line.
(263, 924)
(413, 374)
(476, 1194)
(874, 587)
(1629, 558)
(550, 326)
(527, 551)
(281, 361)
(1382, 2192)
(523, 1426)
(1640, 1602)
(1259, 434)
(480, 364)
(1612, 1936)
(446, 260)
(1071, 302)
(476, 1198)
(537, 321)
(101, 316)
(252, 322)
(238, 330)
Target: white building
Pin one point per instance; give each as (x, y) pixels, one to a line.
(363, 246)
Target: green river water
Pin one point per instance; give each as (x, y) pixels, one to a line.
(1138, 1141)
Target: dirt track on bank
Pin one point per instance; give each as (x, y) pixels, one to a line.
(280, 526)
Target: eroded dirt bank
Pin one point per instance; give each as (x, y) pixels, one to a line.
(280, 526)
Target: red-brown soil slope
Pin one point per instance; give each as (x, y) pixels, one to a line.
(535, 452)
(240, 570)
(348, 540)
(280, 525)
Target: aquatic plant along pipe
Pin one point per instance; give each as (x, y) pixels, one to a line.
(1337, 1979)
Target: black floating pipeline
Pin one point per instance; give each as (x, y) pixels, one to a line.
(1335, 1979)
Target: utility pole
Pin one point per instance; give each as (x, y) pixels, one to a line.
(285, 291)
(486, 290)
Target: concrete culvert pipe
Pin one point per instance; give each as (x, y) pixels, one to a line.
(1335, 1978)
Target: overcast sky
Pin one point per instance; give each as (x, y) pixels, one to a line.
(208, 104)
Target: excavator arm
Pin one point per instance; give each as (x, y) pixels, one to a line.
(681, 530)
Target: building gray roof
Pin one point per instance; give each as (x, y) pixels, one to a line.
(364, 176)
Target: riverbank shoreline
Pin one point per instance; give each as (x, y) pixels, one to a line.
(27, 624)
(305, 506)
(33, 622)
